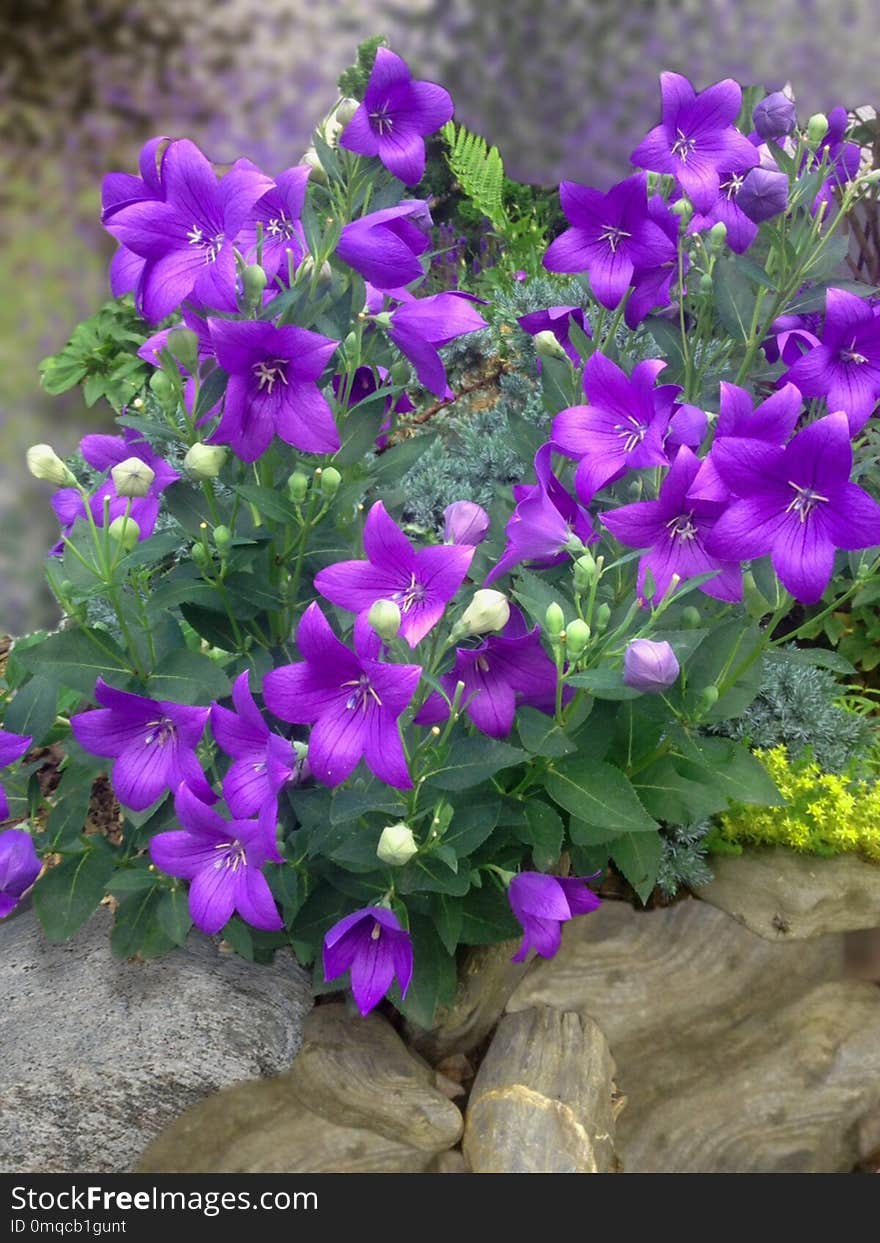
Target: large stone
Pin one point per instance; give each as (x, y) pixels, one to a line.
(542, 1102)
(99, 1055)
(262, 1128)
(780, 894)
(358, 1073)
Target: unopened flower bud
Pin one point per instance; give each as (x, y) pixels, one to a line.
(708, 697)
(133, 478)
(649, 666)
(313, 162)
(325, 274)
(690, 618)
(706, 283)
(763, 194)
(817, 128)
(345, 110)
(205, 461)
(683, 208)
(465, 523)
(554, 619)
(384, 616)
(718, 235)
(125, 531)
(44, 463)
(488, 610)
(546, 345)
(330, 481)
(577, 635)
(400, 372)
(397, 845)
(253, 282)
(161, 386)
(183, 344)
(775, 116)
(298, 486)
(222, 537)
(585, 570)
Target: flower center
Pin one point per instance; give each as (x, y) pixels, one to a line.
(411, 596)
(805, 501)
(733, 185)
(361, 695)
(683, 146)
(632, 433)
(852, 355)
(377, 932)
(613, 235)
(380, 119)
(268, 374)
(233, 856)
(210, 245)
(682, 527)
(280, 227)
(162, 731)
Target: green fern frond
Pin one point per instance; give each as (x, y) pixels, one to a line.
(479, 170)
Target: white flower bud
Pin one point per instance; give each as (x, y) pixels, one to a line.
(133, 478)
(126, 531)
(44, 463)
(397, 845)
(312, 160)
(205, 461)
(546, 345)
(384, 616)
(488, 610)
(345, 110)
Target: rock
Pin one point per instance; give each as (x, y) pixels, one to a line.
(358, 1072)
(542, 1102)
(100, 1054)
(780, 894)
(449, 1163)
(261, 1128)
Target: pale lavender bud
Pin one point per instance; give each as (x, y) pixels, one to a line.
(775, 116)
(649, 666)
(466, 523)
(763, 194)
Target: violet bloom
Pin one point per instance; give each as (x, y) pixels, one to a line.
(651, 285)
(120, 190)
(19, 867)
(373, 946)
(775, 116)
(687, 426)
(272, 388)
(279, 212)
(546, 522)
(264, 762)
(366, 382)
(188, 240)
(12, 748)
(649, 666)
(421, 583)
(395, 116)
(352, 700)
(153, 743)
(223, 861)
(385, 246)
(796, 503)
(465, 523)
(763, 194)
(772, 420)
(419, 328)
(675, 528)
(542, 904)
(845, 367)
(791, 336)
(610, 236)
(557, 319)
(841, 159)
(729, 211)
(697, 138)
(621, 429)
(504, 670)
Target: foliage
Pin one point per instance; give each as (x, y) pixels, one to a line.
(683, 864)
(101, 357)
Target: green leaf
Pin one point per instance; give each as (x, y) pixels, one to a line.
(676, 799)
(391, 465)
(189, 678)
(68, 817)
(69, 893)
(668, 338)
(351, 804)
(215, 627)
(173, 915)
(134, 879)
(270, 503)
(135, 916)
(544, 832)
(472, 823)
(474, 760)
(431, 874)
(325, 907)
(77, 658)
(447, 914)
(599, 793)
(736, 772)
(479, 170)
(589, 835)
(487, 918)
(188, 506)
(603, 684)
(360, 431)
(638, 857)
(434, 975)
(32, 711)
(734, 298)
(210, 392)
(541, 735)
(286, 888)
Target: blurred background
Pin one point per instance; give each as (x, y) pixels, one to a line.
(565, 88)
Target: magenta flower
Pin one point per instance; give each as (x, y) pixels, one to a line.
(649, 666)
(12, 748)
(775, 116)
(687, 426)
(223, 861)
(465, 523)
(844, 367)
(373, 946)
(264, 762)
(19, 867)
(279, 213)
(557, 319)
(420, 582)
(364, 383)
(542, 904)
(188, 239)
(352, 700)
(395, 116)
(621, 429)
(675, 529)
(120, 190)
(153, 743)
(385, 246)
(791, 336)
(795, 504)
(651, 285)
(728, 210)
(272, 388)
(610, 236)
(420, 327)
(697, 138)
(763, 194)
(772, 420)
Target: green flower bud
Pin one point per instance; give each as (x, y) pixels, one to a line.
(585, 570)
(817, 128)
(683, 208)
(133, 478)
(400, 372)
(325, 275)
(201, 555)
(44, 463)
(298, 486)
(546, 345)
(253, 281)
(554, 619)
(384, 616)
(205, 461)
(397, 845)
(718, 235)
(161, 386)
(488, 610)
(634, 490)
(706, 283)
(708, 697)
(345, 110)
(574, 543)
(222, 537)
(184, 345)
(350, 343)
(603, 616)
(577, 635)
(691, 618)
(313, 162)
(125, 531)
(330, 481)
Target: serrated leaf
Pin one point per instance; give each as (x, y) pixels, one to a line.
(544, 832)
(69, 893)
(599, 793)
(473, 760)
(75, 660)
(487, 918)
(541, 735)
(173, 915)
(434, 977)
(32, 711)
(638, 857)
(187, 677)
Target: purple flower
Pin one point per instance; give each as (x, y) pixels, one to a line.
(651, 284)
(839, 158)
(845, 367)
(504, 670)
(19, 867)
(557, 319)
(621, 429)
(649, 666)
(610, 236)
(385, 246)
(696, 138)
(465, 523)
(545, 519)
(364, 383)
(120, 190)
(153, 743)
(542, 904)
(422, 326)
(352, 700)
(188, 240)
(279, 213)
(775, 116)
(688, 426)
(420, 582)
(12, 748)
(728, 210)
(675, 528)
(763, 194)
(223, 861)
(272, 388)
(796, 503)
(772, 420)
(264, 761)
(395, 116)
(373, 946)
